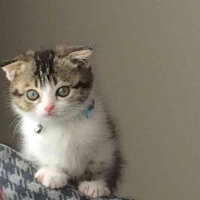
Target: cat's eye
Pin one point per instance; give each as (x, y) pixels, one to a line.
(32, 95)
(62, 91)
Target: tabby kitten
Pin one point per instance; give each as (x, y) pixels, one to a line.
(65, 128)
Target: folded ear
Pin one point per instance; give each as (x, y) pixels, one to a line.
(81, 57)
(10, 67)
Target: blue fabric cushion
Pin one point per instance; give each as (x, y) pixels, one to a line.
(18, 183)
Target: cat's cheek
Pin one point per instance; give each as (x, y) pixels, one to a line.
(23, 105)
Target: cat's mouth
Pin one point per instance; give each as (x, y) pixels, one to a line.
(49, 114)
(46, 115)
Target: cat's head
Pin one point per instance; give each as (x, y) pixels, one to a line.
(50, 83)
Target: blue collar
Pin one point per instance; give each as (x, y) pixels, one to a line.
(89, 109)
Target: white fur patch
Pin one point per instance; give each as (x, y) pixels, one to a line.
(94, 189)
(51, 178)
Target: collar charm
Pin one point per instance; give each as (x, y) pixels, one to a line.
(38, 129)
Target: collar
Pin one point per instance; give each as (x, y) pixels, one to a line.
(89, 109)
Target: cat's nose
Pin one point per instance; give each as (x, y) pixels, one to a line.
(49, 109)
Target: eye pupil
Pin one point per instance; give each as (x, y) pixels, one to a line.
(62, 91)
(32, 95)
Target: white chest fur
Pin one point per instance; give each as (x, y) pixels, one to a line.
(58, 145)
(68, 145)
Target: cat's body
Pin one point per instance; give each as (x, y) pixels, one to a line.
(76, 140)
(72, 145)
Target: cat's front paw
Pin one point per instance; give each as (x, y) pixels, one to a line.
(94, 189)
(51, 178)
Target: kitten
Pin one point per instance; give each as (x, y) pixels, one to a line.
(65, 128)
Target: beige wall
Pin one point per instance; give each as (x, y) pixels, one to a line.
(148, 62)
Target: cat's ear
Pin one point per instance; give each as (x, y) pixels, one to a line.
(10, 68)
(82, 57)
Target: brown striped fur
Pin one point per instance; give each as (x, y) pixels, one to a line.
(33, 68)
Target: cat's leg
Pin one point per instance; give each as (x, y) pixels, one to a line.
(52, 177)
(93, 183)
(27, 153)
(100, 178)
(94, 188)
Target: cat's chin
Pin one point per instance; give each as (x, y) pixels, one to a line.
(47, 117)
(41, 117)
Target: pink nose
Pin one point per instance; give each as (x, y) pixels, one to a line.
(48, 109)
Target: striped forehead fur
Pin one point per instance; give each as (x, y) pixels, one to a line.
(44, 61)
(50, 66)
(48, 61)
